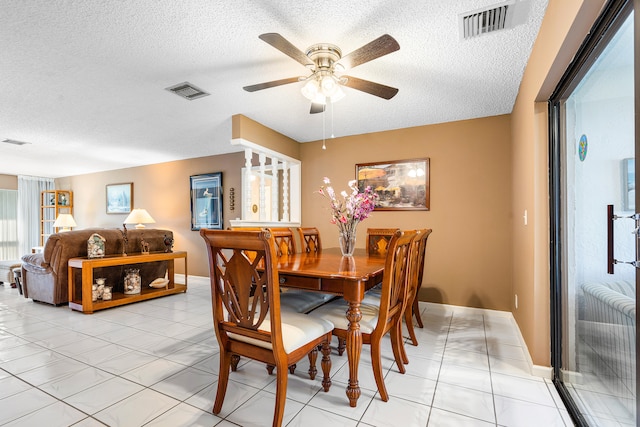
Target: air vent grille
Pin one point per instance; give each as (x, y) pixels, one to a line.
(187, 91)
(14, 142)
(485, 21)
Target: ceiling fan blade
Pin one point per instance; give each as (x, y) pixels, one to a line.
(381, 46)
(284, 46)
(377, 89)
(267, 85)
(317, 108)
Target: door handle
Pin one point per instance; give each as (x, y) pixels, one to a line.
(611, 260)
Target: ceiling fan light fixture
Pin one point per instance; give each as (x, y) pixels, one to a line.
(319, 89)
(329, 85)
(337, 95)
(311, 90)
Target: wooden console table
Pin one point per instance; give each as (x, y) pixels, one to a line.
(84, 303)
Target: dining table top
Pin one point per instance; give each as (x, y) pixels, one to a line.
(329, 263)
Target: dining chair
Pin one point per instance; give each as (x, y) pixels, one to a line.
(416, 275)
(300, 300)
(310, 238)
(414, 281)
(254, 326)
(378, 320)
(293, 300)
(285, 242)
(378, 240)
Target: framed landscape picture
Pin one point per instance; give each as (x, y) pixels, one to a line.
(119, 198)
(206, 201)
(399, 184)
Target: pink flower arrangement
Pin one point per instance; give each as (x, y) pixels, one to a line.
(348, 211)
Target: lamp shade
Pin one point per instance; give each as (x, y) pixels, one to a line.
(139, 217)
(65, 221)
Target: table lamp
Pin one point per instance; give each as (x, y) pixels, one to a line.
(140, 217)
(65, 221)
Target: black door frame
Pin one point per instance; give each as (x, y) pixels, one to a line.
(613, 15)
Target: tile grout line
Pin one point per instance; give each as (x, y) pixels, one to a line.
(435, 388)
(493, 395)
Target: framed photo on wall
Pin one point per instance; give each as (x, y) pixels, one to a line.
(206, 201)
(400, 184)
(119, 198)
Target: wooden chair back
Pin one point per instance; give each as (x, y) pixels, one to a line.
(424, 236)
(285, 242)
(416, 270)
(378, 240)
(310, 239)
(393, 294)
(235, 277)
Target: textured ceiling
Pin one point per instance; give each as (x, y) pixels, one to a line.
(83, 80)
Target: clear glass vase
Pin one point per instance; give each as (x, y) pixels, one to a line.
(347, 240)
(132, 281)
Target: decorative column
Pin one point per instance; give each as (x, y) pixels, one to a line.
(274, 188)
(262, 202)
(285, 191)
(248, 155)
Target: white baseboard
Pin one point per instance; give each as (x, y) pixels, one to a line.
(536, 370)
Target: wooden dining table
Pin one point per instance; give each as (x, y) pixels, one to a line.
(328, 271)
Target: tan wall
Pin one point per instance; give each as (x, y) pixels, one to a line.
(469, 252)
(245, 128)
(163, 190)
(563, 29)
(8, 182)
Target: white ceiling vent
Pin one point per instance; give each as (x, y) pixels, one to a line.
(14, 142)
(487, 20)
(187, 91)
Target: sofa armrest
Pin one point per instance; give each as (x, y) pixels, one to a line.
(35, 263)
(609, 304)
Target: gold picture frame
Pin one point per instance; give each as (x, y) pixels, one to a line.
(401, 185)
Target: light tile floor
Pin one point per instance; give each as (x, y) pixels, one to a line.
(155, 363)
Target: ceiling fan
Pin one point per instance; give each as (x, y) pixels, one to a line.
(327, 65)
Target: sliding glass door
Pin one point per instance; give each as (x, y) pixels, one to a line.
(595, 226)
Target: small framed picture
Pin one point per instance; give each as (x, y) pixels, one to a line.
(119, 198)
(206, 201)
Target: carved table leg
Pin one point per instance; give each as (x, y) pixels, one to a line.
(354, 348)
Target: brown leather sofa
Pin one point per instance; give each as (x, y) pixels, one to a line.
(45, 274)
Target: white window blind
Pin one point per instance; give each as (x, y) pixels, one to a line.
(9, 225)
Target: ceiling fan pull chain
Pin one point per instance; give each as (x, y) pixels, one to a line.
(324, 146)
(332, 107)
